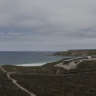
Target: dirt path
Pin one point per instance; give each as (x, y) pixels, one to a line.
(71, 65)
(15, 82)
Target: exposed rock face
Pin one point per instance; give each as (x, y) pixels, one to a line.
(76, 53)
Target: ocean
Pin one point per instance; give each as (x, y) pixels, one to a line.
(21, 58)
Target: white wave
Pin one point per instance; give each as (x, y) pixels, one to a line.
(33, 64)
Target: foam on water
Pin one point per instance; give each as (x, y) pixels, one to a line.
(33, 64)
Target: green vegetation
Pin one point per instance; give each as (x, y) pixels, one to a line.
(43, 80)
(50, 69)
(7, 88)
(49, 65)
(76, 53)
(86, 66)
(59, 85)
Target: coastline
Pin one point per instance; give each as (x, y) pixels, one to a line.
(36, 64)
(33, 64)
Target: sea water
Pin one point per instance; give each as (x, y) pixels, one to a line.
(22, 58)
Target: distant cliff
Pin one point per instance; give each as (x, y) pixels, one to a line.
(76, 53)
(59, 53)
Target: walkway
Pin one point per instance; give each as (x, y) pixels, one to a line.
(15, 82)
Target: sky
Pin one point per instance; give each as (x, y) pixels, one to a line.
(47, 25)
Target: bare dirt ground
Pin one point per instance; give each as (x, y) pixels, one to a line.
(72, 65)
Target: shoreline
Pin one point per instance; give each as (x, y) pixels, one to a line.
(25, 65)
(33, 64)
(38, 64)
(30, 64)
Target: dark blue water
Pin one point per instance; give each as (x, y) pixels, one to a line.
(26, 58)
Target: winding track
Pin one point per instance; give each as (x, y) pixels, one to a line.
(15, 82)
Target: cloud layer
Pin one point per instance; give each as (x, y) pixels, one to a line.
(47, 24)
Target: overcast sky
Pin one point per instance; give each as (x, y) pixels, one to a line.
(47, 25)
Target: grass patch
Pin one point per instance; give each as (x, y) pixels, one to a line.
(59, 85)
(43, 80)
(7, 88)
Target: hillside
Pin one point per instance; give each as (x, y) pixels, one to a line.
(76, 53)
(45, 82)
(49, 80)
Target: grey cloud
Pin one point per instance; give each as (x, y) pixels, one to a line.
(63, 13)
(53, 23)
